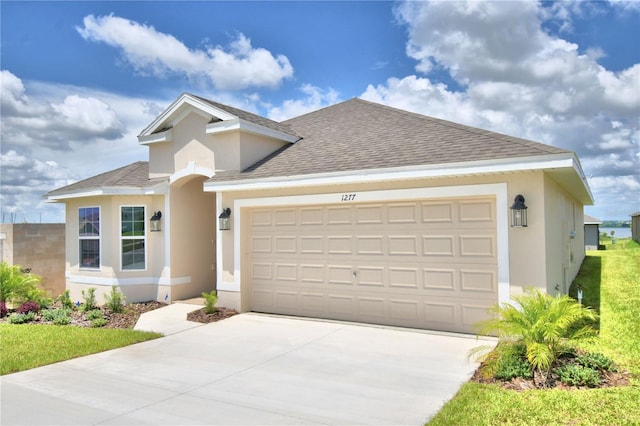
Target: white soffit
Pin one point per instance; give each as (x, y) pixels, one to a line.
(558, 161)
(246, 126)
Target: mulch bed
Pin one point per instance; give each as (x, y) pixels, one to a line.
(201, 316)
(608, 379)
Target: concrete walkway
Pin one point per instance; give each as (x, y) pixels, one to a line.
(170, 319)
(252, 370)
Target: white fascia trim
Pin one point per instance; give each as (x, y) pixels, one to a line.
(497, 190)
(110, 281)
(401, 173)
(166, 136)
(159, 189)
(191, 169)
(203, 107)
(247, 126)
(578, 168)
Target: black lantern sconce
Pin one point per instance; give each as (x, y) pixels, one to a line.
(155, 221)
(519, 212)
(224, 220)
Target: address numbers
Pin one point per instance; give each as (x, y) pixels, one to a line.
(348, 197)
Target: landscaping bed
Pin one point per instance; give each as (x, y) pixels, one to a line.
(202, 316)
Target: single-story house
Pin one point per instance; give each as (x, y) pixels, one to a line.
(591, 232)
(635, 226)
(356, 211)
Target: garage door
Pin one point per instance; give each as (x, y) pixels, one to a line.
(428, 264)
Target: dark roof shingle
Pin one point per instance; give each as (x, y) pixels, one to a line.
(135, 175)
(359, 135)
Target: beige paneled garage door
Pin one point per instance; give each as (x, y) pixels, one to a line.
(427, 264)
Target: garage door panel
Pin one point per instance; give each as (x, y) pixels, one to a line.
(370, 307)
(478, 281)
(477, 245)
(429, 263)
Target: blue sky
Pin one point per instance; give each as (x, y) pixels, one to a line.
(81, 79)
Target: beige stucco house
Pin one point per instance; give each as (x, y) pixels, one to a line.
(357, 211)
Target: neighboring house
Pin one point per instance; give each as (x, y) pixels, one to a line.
(635, 226)
(356, 211)
(591, 232)
(38, 247)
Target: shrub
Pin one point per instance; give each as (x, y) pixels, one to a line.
(27, 307)
(89, 298)
(577, 375)
(94, 315)
(115, 300)
(596, 361)
(60, 316)
(98, 322)
(65, 300)
(18, 285)
(3, 309)
(17, 318)
(546, 326)
(210, 300)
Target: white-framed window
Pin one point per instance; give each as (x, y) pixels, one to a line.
(89, 237)
(133, 253)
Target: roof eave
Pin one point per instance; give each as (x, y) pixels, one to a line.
(155, 189)
(562, 161)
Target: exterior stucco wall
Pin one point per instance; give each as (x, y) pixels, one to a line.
(191, 146)
(193, 248)
(635, 228)
(527, 248)
(564, 237)
(136, 285)
(39, 247)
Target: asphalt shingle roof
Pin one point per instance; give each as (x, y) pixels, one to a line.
(359, 135)
(349, 136)
(248, 116)
(135, 175)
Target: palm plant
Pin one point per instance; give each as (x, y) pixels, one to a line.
(546, 326)
(17, 286)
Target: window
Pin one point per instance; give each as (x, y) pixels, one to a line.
(132, 238)
(89, 237)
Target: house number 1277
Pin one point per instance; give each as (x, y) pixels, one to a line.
(348, 197)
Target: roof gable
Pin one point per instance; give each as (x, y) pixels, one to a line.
(221, 118)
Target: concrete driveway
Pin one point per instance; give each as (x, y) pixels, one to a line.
(250, 369)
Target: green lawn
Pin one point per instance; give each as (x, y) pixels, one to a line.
(611, 282)
(27, 346)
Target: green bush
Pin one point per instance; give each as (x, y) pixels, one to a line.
(98, 322)
(60, 316)
(94, 314)
(65, 300)
(512, 364)
(577, 375)
(543, 324)
(17, 318)
(596, 361)
(210, 300)
(115, 300)
(89, 298)
(18, 286)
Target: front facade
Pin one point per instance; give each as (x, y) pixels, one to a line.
(355, 212)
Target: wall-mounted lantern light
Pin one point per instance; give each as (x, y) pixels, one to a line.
(155, 221)
(224, 220)
(519, 212)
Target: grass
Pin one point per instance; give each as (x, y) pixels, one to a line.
(611, 284)
(28, 346)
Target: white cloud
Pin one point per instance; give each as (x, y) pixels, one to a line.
(518, 78)
(152, 52)
(315, 98)
(53, 135)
